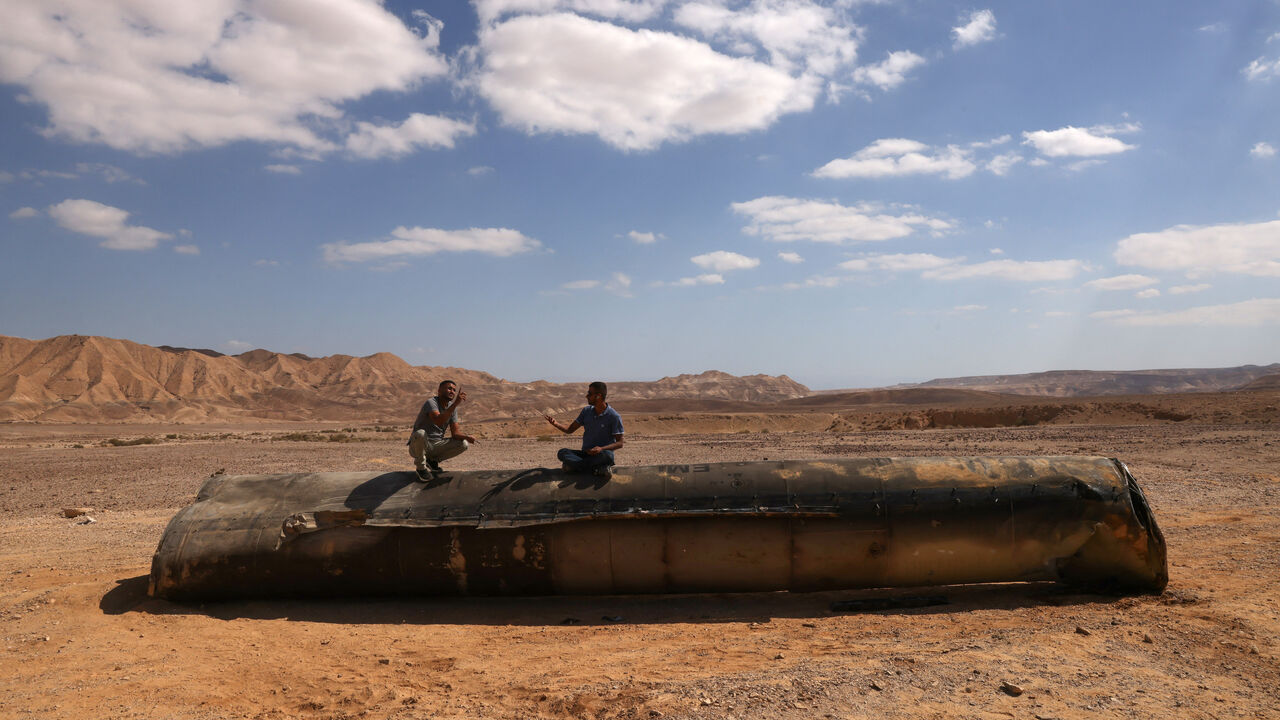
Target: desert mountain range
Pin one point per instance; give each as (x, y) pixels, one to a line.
(78, 378)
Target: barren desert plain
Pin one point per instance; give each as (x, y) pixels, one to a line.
(80, 638)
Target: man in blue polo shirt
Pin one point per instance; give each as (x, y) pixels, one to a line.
(603, 434)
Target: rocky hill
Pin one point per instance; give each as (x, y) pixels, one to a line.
(78, 378)
(1092, 383)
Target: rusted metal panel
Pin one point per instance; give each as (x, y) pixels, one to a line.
(790, 525)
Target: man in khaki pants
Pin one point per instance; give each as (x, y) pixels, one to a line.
(427, 444)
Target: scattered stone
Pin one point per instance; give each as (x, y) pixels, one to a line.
(76, 511)
(1010, 689)
(1146, 638)
(810, 625)
(778, 656)
(384, 661)
(1253, 650)
(707, 701)
(876, 686)
(86, 520)
(1082, 631)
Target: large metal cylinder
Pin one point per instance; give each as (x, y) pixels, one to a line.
(716, 527)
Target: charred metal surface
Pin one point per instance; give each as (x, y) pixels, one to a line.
(716, 527)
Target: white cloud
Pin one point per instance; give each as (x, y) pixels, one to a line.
(635, 89)
(1077, 142)
(418, 130)
(797, 35)
(785, 219)
(93, 218)
(173, 76)
(1250, 313)
(968, 308)
(979, 28)
(1262, 150)
(889, 73)
(581, 285)
(626, 10)
(706, 279)
(901, 262)
(479, 170)
(1003, 163)
(266, 263)
(1248, 249)
(723, 261)
(644, 238)
(1262, 69)
(619, 284)
(1122, 282)
(283, 169)
(1185, 289)
(23, 213)
(1147, 294)
(790, 257)
(890, 157)
(996, 251)
(1058, 313)
(500, 242)
(238, 345)
(187, 249)
(816, 281)
(1016, 270)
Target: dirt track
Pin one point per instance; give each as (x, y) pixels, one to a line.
(79, 638)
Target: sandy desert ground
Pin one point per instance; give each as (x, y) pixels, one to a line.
(80, 639)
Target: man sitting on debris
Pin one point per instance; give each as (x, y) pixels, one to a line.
(427, 444)
(603, 434)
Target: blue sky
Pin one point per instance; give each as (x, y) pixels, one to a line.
(851, 193)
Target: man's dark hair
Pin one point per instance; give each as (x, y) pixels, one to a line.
(445, 382)
(599, 387)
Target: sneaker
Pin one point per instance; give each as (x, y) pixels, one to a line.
(424, 474)
(604, 471)
(567, 467)
(434, 466)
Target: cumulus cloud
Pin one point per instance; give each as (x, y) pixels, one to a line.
(417, 241)
(705, 279)
(890, 157)
(1001, 164)
(372, 141)
(797, 36)
(644, 238)
(626, 10)
(238, 345)
(1147, 294)
(168, 77)
(1244, 248)
(283, 169)
(786, 219)
(890, 72)
(479, 170)
(1016, 270)
(1262, 69)
(1250, 313)
(93, 218)
(790, 257)
(980, 27)
(635, 89)
(1263, 150)
(900, 262)
(580, 285)
(24, 212)
(1122, 282)
(723, 261)
(187, 249)
(816, 281)
(1078, 142)
(1185, 289)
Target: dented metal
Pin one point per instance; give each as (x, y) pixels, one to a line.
(715, 527)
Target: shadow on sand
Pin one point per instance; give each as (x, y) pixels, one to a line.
(130, 596)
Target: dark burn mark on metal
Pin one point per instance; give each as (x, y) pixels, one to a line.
(799, 525)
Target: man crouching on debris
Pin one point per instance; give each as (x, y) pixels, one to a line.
(427, 444)
(602, 436)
